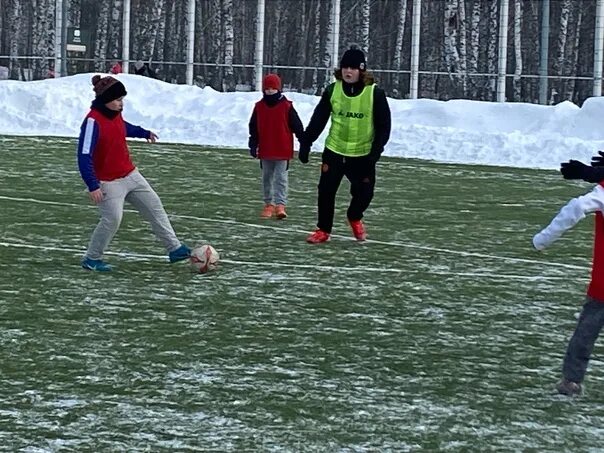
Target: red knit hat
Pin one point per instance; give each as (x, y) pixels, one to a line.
(271, 81)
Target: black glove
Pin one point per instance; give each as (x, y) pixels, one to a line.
(304, 152)
(375, 154)
(254, 152)
(598, 161)
(573, 169)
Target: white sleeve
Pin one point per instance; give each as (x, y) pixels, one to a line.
(574, 211)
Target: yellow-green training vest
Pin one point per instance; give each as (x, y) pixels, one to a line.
(351, 132)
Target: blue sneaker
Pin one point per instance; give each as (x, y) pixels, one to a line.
(181, 253)
(96, 265)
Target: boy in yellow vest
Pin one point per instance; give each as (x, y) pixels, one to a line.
(360, 127)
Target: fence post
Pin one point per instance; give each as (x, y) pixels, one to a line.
(503, 49)
(415, 36)
(544, 52)
(190, 41)
(58, 37)
(336, 33)
(126, 38)
(259, 55)
(598, 46)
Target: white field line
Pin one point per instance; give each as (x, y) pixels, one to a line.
(292, 230)
(149, 257)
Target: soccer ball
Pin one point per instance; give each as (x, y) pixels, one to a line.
(204, 258)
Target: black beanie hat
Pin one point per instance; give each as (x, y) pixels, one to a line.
(353, 58)
(108, 88)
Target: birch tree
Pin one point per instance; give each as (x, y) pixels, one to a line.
(101, 38)
(398, 46)
(14, 21)
(574, 52)
(492, 47)
(364, 24)
(561, 42)
(474, 43)
(227, 19)
(43, 36)
(451, 55)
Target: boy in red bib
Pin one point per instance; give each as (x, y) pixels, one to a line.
(111, 177)
(591, 319)
(273, 123)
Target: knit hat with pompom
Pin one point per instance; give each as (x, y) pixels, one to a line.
(108, 88)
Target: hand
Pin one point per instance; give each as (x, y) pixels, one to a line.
(253, 152)
(152, 137)
(304, 152)
(598, 161)
(96, 196)
(573, 169)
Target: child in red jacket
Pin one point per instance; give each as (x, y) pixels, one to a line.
(112, 178)
(272, 125)
(591, 319)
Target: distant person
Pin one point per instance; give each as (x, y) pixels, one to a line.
(591, 320)
(111, 177)
(360, 128)
(272, 127)
(143, 69)
(116, 68)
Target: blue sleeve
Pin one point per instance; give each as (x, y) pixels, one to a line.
(136, 131)
(89, 136)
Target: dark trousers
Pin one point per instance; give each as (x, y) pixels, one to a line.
(582, 342)
(360, 171)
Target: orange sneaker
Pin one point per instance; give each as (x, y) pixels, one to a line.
(317, 237)
(267, 211)
(358, 229)
(280, 212)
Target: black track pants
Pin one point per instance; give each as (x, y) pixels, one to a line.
(360, 171)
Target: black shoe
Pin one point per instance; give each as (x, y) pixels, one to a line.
(570, 388)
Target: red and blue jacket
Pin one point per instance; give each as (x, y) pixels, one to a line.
(102, 149)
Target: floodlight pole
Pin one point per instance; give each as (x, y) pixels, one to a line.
(126, 38)
(190, 41)
(415, 35)
(259, 55)
(544, 52)
(58, 37)
(598, 47)
(503, 49)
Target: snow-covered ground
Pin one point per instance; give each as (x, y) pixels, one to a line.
(510, 134)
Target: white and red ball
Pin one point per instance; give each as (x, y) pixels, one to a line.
(204, 258)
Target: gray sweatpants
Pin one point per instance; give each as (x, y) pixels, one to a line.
(135, 189)
(582, 342)
(274, 181)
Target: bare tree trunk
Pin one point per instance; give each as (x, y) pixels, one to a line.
(475, 45)
(398, 47)
(14, 20)
(365, 22)
(492, 49)
(463, 48)
(227, 19)
(562, 37)
(316, 53)
(451, 54)
(570, 87)
(517, 50)
(100, 42)
(43, 36)
(114, 38)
